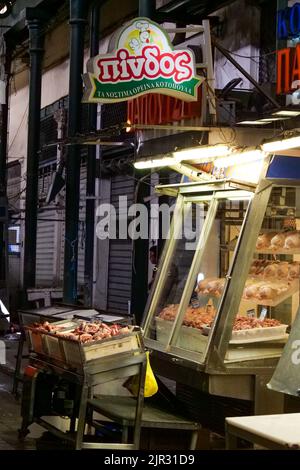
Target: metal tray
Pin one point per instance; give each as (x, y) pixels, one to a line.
(74, 353)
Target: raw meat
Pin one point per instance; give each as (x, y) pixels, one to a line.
(278, 241)
(292, 240)
(264, 240)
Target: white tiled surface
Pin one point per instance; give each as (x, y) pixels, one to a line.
(283, 429)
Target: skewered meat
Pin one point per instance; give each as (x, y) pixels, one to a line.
(292, 240)
(277, 241)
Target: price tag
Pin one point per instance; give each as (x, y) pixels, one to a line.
(195, 303)
(251, 313)
(263, 313)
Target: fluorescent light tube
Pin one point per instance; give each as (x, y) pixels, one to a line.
(285, 144)
(239, 158)
(154, 163)
(202, 154)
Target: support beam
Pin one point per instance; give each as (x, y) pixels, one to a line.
(3, 176)
(36, 52)
(91, 172)
(78, 14)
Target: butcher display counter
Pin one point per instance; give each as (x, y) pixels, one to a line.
(227, 288)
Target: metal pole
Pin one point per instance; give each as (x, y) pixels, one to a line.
(139, 288)
(77, 22)
(3, 176)
(36, 51)
(91, 172)
(246, 74)
(147, 8)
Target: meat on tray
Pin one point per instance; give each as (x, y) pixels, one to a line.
(47, 327)
(248, 323)
(199, 318)
(195, 317)
(85, 332)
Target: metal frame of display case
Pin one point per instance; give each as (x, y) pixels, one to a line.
(247, 378)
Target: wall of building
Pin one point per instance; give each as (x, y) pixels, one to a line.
(240, 34)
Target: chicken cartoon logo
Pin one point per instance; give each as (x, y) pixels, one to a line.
(142, 60)
(137, 44)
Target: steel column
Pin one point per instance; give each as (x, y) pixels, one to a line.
(3, 176)
(78, 13)
(36, 51)
(91, 172)
(147, 8)
(139, 287)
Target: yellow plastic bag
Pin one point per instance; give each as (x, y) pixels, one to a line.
(151, 387)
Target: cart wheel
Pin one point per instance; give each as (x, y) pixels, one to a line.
(22, 433)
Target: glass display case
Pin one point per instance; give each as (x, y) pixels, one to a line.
(227, 290)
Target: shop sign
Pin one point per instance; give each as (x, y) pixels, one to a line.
(288, 22)
(158, 109)
(142, 62)
(288, 69)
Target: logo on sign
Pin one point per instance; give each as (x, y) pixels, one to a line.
(143, 62)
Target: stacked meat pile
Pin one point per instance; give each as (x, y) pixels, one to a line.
(276, 241)
(248, 323)
(275, 269)
(195, 317)
(85, 332)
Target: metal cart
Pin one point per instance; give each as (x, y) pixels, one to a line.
(61, 376)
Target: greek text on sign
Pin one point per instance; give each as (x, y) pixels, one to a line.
(143, 62)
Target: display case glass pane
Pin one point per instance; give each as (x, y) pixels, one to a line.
(163, 311)
(270, 297)
(207, 279)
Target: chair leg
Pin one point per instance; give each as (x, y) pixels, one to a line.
(81, 418)
(125, 435)
(18, 366)
(194, 440)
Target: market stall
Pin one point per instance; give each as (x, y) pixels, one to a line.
(69, 359)
(222, 307)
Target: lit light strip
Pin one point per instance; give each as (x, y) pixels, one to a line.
(255, 123)
(284, 144)
(240, 158)
(154, 163)
(202, 154)
(286, 112)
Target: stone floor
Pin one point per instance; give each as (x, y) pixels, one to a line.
(10, 418)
